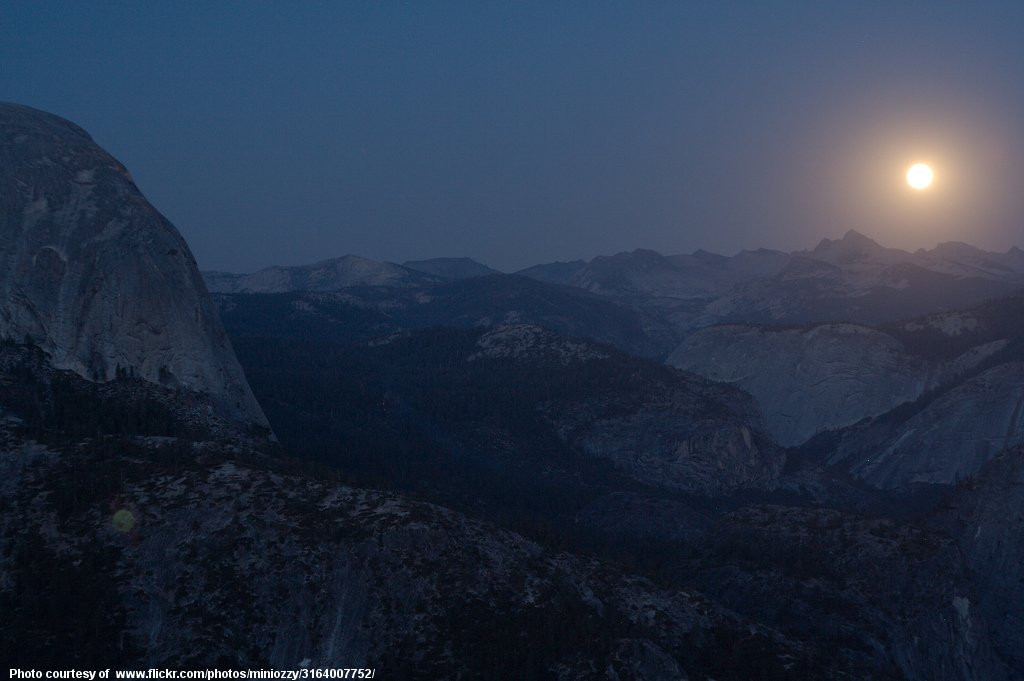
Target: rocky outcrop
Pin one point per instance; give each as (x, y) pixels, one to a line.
(945, 439)
(158, 549)
(808, 380)
(673, 434)
(94, 275)
(890, 597)
(523, 403)
(987, 516)
(945, 335)
(922, 401)
(150, 550)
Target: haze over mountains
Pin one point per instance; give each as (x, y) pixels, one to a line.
(848, 279)
(807, 379)
(135, 521)
(483, 475)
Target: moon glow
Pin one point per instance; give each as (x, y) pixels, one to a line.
(920, 176)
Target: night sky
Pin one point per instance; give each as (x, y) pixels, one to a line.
(518, 133)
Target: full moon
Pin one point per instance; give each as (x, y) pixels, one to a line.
(919, 176)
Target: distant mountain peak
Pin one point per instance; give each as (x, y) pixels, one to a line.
(957, 249)
(854, 235)
(645, 253)
(852, 241)
(450, 268)
(555, 272)
(347, 258)
(764, 251)
(708, 256)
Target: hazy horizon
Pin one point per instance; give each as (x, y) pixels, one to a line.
(526, 134)
(808, 248)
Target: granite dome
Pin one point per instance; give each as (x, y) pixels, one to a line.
(96, 276)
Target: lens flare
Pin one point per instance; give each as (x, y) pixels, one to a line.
(123, 521)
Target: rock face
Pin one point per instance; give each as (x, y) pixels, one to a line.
(971, 406)
(876, 590)
(987, 516)
(807, 380)
(139, 549)
(831, 376)
(160, 546)
(516, 400)
(341, 577)
(95, 276)
(945, 439)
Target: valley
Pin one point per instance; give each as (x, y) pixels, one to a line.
(771, 465)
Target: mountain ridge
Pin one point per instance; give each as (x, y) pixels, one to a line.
(851, 279)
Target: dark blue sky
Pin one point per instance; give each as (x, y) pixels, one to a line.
(516, 133)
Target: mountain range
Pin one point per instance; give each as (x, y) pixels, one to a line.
(440, 471)
(852, 279)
